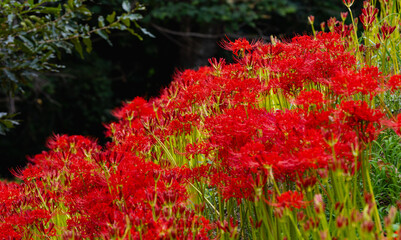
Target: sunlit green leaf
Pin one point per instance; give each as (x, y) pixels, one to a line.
(111, 17)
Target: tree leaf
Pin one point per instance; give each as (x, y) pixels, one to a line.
(51, 10)
(134, 33)
(111, 17)
(104, 35)
(146, 32)
(126, 22)
(10, 75)
(88, 43)
(100, 20)
(133, 16)
(83, 10)
(10, 18)
(6, 122)
(78, 47)
(127, 6)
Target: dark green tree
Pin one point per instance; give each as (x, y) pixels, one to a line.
(35, 32)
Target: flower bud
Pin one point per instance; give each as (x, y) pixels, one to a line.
(344, 15)
(311, 19)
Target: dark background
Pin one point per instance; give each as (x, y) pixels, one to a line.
(79, 99)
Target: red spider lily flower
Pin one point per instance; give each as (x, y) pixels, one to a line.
(322, 26)
(394, 83)
(290, 199)
(229, 227)
(343, 29)
(357, 115)
(394, 124)
(348, 82)
(218, 65)
(348, 3)
(368, 15)
(311, 19)
(331, 23)
(344, 15)
(137, 108)
(71, 143)
(386, 31)
(356, 112)
(238, 47)
(7, 231)
(318, 203)
(214, 119)
(306, 98)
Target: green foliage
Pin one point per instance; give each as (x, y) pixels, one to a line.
(231, 12)
(34, 33)
(385, 170)
(6, 122)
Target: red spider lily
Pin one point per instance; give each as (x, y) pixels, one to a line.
(368, 15)
(311, 19)
(386, 31)
(323, 26)
(359, 119)
(331, 23)
(344, 15)
(357, 112)
(343, 29)
(238, 47)
(394, 83)
(394, 124)
(137, 108)
(306, 98)
(229, 227)
(348, 82)
(214, 119)
(348, 3)
(71, 143)
(7, 231)
(290, 199)
(217, 65)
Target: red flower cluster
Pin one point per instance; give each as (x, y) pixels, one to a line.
(281, 113)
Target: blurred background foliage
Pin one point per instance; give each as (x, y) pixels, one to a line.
(177, 34)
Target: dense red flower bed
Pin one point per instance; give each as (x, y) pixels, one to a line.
(284, 114)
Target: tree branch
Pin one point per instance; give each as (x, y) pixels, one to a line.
(186, 34)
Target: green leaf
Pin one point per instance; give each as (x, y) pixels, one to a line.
(10, 18)
(133, 16)
(10, 75)
(127, 6)
(100, 20)
(51, 10)
(88, 43)
(104, 35)
(83, 10)
(134, 33)
(2, 130)
(146, 32)
(78, 47)
(71, 4)
(6, 122)
(111, 17)
(126, 22)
